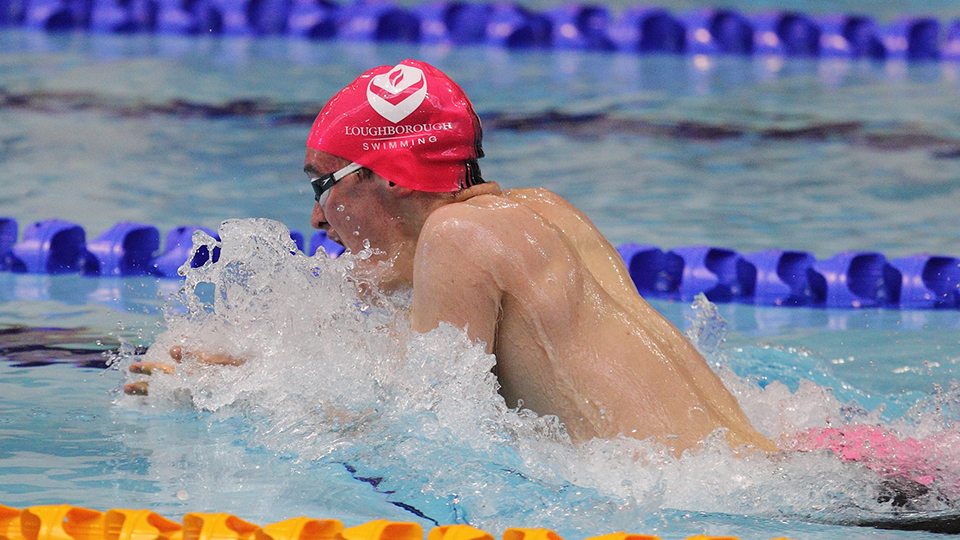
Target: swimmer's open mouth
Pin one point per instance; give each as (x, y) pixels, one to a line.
(335, 237)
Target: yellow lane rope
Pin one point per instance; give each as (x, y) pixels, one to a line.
(65, 522)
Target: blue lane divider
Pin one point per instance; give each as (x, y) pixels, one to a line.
(173, 18)
(514, 27)
(795, 278)
(178, 246)
(712, 31)
(8, 237)
(648, 30)
(312, 19)
(580, 27)
(951, 47)
(378, 20)
(639, 29)
(852, 279)
(857, 280)
(787, 34)
(783, 278)
(48, 247)
(846, 36)
(722, 274)
(928, 281)
(126, 249)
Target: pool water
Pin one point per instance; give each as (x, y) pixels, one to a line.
(818, 156)
(335, 415)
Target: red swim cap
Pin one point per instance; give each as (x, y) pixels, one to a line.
(408, 123)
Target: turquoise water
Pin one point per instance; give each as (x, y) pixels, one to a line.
(889, 184)
(332, 421)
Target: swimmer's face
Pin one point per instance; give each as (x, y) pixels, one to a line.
(352, 210)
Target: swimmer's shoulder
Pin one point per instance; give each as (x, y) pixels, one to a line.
(554, 209)
(474, 240)
(472, 216)
(484, 203)
(485, 221)
(539, 199)
(530, 209)
(489, 195)
(500, 214)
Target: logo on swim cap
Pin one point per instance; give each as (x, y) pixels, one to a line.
(385, 121)
(398, 92)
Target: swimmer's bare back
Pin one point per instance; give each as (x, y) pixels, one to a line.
(529, 275)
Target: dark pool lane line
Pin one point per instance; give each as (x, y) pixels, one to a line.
(25, 346)
(588, 125)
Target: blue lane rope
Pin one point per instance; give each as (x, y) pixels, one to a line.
(851, 279)
(127, 249)
(507, 25)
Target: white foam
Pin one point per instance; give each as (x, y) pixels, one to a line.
(330, 378)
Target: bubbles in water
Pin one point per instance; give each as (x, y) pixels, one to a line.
(333, 377)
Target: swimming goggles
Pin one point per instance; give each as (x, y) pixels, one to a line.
(323, 184)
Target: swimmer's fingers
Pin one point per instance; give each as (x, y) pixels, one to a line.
(177, 354)
(136, 389)
(147, 368)
(142, 388)
(216, 359)
(219, 359)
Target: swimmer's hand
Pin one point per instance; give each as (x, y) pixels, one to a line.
(176, 353)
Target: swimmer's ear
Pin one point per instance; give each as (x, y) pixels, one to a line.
(398, 190)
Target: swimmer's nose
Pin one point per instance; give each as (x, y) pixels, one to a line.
(318, 220)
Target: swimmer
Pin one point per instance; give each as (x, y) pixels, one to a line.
(393, 162)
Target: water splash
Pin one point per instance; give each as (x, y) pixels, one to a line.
(336, 377)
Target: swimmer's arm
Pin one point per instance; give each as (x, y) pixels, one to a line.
(453, 278)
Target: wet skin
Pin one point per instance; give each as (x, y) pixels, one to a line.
(529, 275)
